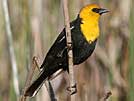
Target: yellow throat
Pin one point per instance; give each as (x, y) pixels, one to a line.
(90, 23)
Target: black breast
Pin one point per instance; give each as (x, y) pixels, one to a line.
(82, 49)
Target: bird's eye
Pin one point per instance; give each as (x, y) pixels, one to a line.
(96, 10)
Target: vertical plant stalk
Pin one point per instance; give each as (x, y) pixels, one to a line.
(11, 48)
(70, 52)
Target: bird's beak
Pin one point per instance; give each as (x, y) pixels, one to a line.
(102, 10)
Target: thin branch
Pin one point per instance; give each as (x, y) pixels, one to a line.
(11, 48)
(70, 53)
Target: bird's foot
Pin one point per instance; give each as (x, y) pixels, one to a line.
(72, 89)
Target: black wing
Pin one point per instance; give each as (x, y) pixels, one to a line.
(57, 55)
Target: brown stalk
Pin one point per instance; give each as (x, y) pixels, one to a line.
(70, 52)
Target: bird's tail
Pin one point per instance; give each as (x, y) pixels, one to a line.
(36, 85)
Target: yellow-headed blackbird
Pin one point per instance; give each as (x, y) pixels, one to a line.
(84, 32)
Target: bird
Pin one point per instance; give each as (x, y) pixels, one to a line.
(85, 32)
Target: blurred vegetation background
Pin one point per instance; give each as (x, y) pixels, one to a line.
(35, 24)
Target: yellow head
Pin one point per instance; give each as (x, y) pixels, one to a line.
(90, 15)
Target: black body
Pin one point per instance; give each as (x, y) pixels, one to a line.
(57, 56)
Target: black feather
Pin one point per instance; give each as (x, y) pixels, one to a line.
(57, 56)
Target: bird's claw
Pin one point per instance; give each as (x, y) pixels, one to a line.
(72, 89)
